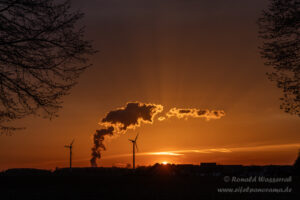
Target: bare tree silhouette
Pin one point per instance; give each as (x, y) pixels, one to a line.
(279, 27)
(41, 55)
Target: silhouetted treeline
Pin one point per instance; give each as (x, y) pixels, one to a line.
(159, 169)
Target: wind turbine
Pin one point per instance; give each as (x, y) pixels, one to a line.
(134, 145)
(70, 147)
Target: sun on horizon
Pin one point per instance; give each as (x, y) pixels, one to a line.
(165, 162)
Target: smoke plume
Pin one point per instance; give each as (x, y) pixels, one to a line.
(120, 120)
(195, 113)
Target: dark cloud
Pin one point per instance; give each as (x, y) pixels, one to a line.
(201, 112)
(132, 115)
(184, 111)
(195, 113)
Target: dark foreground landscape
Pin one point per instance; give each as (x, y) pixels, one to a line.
(206, 181)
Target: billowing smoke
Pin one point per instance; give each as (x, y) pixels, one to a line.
(134, 114)
(98, 143)
(195, 113)
(120, 120)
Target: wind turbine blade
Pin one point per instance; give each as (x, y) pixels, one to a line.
(136, 137)
(72, 142)
(137, 149)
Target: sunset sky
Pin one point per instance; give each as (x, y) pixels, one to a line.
(199, 54)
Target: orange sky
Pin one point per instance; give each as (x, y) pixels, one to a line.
(189, 54)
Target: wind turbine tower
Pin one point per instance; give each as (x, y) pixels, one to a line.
(70, 147)
(134, 145)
